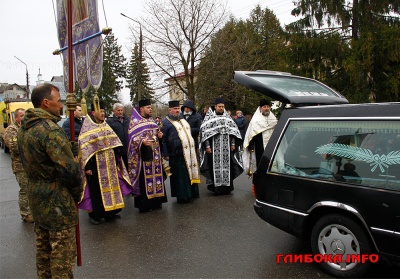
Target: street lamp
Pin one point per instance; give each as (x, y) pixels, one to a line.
(140, 56)
(130, 18)
(27, 77)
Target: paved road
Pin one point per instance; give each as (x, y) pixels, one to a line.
(213, 237)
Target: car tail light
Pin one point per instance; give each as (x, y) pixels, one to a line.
(253, 189)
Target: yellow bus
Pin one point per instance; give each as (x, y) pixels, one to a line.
(7, 109)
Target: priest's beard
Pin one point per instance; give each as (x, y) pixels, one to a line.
(145, 115)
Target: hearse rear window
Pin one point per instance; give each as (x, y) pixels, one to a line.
(358, 152)
(294, 86)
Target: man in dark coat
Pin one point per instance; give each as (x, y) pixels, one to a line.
(78, 120)
(119, 122)
(194, 119)
(241, 123)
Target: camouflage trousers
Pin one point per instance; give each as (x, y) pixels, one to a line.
(23, 194)
(55, 253)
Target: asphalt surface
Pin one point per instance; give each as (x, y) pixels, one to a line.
(212, 237)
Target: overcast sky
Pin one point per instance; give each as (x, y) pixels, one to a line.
(29, 32)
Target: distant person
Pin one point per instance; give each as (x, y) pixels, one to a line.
(54, 183)
(189, 113)
(158, 120)
(144, 159)
(105, 177)
(230, 114)
(10, 139)
(119, 122)
(179, 149)
(220, 160)
(241, 123)
(257, 135)
(78, 119)
(204, 112)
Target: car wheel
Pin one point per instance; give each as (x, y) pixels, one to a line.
(337, 234)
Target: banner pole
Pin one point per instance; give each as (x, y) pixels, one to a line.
(71, 104)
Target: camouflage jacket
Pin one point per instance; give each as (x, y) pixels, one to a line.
(10, 139)
(54, 179)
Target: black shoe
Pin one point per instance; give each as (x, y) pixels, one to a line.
(183, 201)
(94, 221)
(157, 207)
(112, 218)
(143, 210)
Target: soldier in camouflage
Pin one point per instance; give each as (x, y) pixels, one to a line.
(10, 138)
(54, 183)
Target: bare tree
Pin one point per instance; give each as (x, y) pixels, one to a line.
(176, 33)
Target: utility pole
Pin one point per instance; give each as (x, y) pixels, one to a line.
(27, 77)
(140, 74)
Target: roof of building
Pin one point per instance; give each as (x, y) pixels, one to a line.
(182, 74)
(60, 86)
(6, 86)
(57, 79)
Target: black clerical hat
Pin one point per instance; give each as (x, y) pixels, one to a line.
(101, 103)
(265, 102)
(145, 102)
(219, 101)
(173, 104)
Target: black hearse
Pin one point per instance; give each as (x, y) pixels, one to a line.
(330, 172)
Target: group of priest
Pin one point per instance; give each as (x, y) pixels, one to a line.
(115, 158)
(124, 156)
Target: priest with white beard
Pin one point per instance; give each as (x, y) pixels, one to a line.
(257, 135)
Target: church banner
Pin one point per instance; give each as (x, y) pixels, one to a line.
(87, 55)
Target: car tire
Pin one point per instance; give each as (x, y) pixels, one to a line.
(343, 233)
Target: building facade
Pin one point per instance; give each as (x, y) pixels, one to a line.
(175, 92)
(12, 91)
